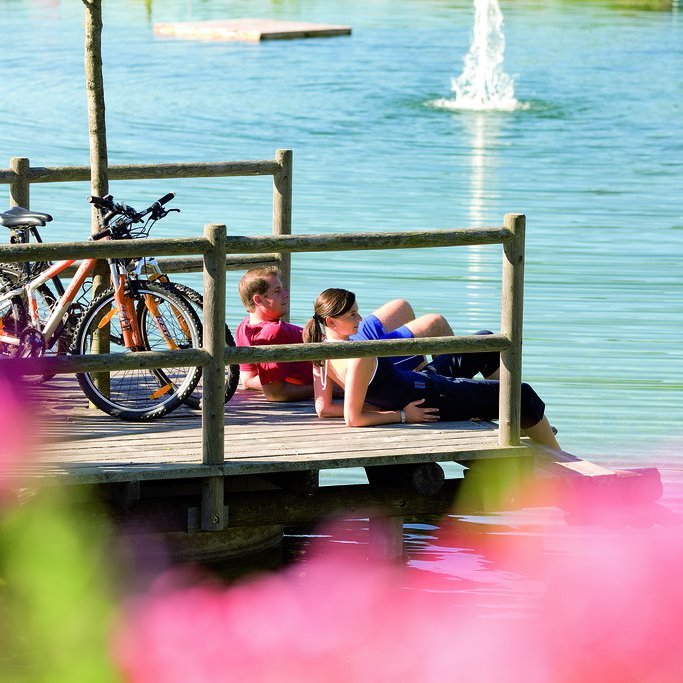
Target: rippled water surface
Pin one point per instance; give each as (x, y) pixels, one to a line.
(594, 160)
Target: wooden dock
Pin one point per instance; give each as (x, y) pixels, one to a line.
(85, 446)
(247, 30)
(150, 476)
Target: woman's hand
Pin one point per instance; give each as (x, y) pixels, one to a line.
(416, 414)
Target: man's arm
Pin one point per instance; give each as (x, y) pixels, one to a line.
(250, 380)
(280, 392)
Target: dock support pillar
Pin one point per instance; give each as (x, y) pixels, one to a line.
(385, 538)
(213, 388)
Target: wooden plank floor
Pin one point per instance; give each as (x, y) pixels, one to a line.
(88, 446)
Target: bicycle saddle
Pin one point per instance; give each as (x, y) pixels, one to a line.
(18, 217)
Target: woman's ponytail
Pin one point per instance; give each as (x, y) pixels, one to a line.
(313, 334)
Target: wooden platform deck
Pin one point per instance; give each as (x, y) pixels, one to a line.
(247, 30)
(86, 446)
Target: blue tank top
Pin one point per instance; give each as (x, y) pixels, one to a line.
(392, 389)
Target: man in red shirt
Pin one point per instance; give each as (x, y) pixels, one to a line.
(267, 301)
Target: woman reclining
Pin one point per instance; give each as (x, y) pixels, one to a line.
(376, 392)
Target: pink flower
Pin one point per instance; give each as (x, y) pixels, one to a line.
(572, 606)
(15, 432)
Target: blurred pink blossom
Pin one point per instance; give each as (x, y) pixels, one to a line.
(16, 435)
(603, 606)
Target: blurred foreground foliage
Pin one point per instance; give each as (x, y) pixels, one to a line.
(56, 593)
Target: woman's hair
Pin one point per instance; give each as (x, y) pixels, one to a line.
(329, 304)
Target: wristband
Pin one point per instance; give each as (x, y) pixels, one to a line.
(402, 413)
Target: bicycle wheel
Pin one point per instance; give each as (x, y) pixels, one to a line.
(138, 395)
(13, 317)
(232, 372)
(12, 274)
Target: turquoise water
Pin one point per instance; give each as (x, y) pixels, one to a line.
(594, 159)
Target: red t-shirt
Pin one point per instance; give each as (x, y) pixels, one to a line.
(267, 333)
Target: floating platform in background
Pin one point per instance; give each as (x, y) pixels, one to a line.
(247, 30)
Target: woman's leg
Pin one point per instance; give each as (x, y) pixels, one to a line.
(542, 433)
(467, 364)
(462, 399)
(394, 314)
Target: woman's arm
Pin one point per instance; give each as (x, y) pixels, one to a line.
(325, 406)
(358, 414)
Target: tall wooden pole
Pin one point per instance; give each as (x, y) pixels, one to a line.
(97, 134)
(94, 85)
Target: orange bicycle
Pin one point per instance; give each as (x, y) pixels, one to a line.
(133, 315)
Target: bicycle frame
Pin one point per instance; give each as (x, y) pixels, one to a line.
(129, 328)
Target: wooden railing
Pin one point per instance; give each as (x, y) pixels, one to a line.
(214, 246)
(21, 175)
(215, 249)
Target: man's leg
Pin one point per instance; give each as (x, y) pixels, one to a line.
(430, 325)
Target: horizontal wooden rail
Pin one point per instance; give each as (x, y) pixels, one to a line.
(254, 245)
(258, 354)
(141, 360)
(195, 264)
(54, 251)
(363, 349)
(61, 174)
(413, 239)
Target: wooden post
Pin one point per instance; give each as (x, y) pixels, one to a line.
(282, 209)
(511, 326)
(385, 541)
(19, 189)
(94, 85)
(97, 133)
(213, 398)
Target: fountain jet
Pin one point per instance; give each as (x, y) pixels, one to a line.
(483, 85)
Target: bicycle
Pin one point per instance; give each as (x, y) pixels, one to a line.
(148, 268)
(133, 315)
(125, 218)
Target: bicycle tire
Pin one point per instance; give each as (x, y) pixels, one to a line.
(141, 395)
(12, 274)
(13, 317)
(232, 372)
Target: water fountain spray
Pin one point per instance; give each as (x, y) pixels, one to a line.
(483, 85)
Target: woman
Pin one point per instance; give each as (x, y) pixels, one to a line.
(376, 392)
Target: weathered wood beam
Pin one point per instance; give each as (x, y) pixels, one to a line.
(107, 361)
(282, 212)
(218, 169)
(512, 313)
(54, 251)
(213, 389)
(363, 349)
(257, 354)
(258, 508)
(194, 264)
(413, 239)
(254, 245)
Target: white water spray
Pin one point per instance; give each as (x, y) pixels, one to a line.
(483, 85)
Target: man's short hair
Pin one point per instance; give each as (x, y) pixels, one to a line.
(254, 282)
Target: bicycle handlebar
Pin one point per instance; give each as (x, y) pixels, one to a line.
(113, 209)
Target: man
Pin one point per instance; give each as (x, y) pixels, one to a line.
(267, 301)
